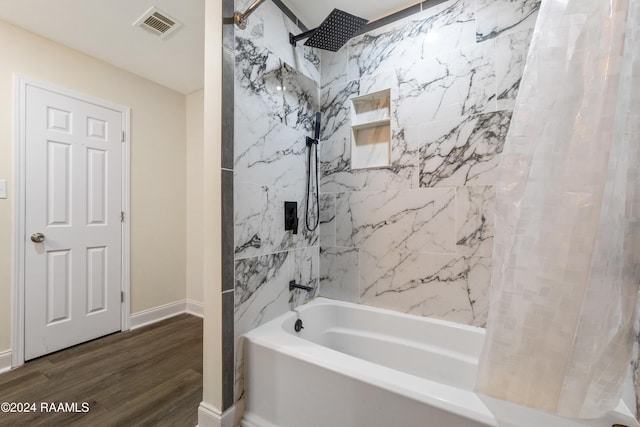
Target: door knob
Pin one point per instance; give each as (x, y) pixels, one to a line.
(37, 237)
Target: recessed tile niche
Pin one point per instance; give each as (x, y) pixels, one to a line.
(371, 130)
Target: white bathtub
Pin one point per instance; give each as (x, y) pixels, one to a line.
(355, 365)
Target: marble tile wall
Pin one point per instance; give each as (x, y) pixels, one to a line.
(417, 236)
(276, 96)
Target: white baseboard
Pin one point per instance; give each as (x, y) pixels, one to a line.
(5, 361)
(209, 416)
(156, 314)
(195, 308)
(250, 420)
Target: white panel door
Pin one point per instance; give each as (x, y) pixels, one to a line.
(73, 199)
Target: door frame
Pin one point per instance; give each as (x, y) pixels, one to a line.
(20, 85)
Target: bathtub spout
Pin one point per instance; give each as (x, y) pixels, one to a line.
(293, 285)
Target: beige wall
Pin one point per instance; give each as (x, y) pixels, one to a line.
(210, 408)
(195, 129)
(158, 160)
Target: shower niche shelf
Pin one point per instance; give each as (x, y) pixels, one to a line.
(371, 130)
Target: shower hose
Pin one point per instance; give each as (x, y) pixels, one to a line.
(311, 227)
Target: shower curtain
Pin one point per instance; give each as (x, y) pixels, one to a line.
(567, 243)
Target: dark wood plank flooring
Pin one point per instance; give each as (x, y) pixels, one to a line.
(148, 377)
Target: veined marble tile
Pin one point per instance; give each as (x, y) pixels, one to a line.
(266, 86)
(439, 29)
(327, 219)
(406, 145)
(300, 99)
(336, 174)
(335, 148)
(378, 82)
(269, 27)
(305, 270)
(339, 268)
(497, 17)
(511, 55)
(452, 85)
(312, 63)
(257, 73)
(335, 157)
(334, 67)
(475, 211)
(385, 222)
(269, 153)
(261, 294)
(463, 151)
(259, 219)
(257, 284)
(250, 202)
(393, 178)
(443, 286)
(335, 104)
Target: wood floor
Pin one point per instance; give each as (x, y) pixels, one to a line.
(148, 377)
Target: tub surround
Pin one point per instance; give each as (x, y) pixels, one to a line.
(276, 99)
(417, 236)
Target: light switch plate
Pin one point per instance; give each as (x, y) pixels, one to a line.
(3, 188)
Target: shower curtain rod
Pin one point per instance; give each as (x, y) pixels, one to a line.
(240, 19)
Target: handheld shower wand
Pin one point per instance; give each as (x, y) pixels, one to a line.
(312, 144)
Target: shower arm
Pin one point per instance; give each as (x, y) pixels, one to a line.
(294, 39)
(240, 19)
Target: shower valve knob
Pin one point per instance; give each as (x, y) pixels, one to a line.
(291, 217)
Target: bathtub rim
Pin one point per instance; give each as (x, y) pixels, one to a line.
(318, 301)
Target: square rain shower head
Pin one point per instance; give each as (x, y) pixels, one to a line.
(335, 30)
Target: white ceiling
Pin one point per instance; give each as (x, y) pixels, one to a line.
(102, 29)
(312, 13)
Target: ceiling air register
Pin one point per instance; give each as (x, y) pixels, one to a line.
(157, 22)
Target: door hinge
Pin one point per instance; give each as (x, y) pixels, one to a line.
(122, 137)
(121, 216)
(121, 296)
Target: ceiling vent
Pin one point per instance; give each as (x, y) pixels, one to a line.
(158, 23)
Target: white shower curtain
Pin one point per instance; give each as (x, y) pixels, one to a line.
(567, 244)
